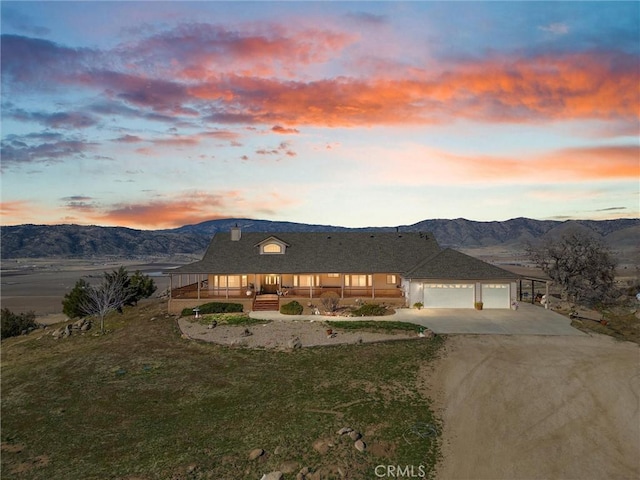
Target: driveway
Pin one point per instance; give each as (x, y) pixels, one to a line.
(527, 320)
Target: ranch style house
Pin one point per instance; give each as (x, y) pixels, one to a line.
(263, 271)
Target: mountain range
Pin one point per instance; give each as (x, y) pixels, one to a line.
(76, 241)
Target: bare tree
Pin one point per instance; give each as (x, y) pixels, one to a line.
(112, 294)
(580, 264)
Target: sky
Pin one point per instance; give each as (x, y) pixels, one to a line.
(154, 115)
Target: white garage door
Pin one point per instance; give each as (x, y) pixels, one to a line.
(495, 295)
(449, 295)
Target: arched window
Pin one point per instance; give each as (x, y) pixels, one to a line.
(272, 248)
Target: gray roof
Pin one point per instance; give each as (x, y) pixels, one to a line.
(411, 254)
(454, 265)
(313, 252)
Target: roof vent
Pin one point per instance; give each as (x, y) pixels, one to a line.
(236, 233)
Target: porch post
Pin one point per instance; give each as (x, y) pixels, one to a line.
(310, 286)
(373, 286)
(342, 285)
(226, 288)
(198, 280)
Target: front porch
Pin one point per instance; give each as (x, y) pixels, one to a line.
(196, 289)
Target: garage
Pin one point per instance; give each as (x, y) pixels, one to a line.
(495, 295)
(449, 295)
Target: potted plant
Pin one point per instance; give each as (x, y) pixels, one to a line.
(479, 305)
(418, 305)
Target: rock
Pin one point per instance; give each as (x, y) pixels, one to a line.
(289, 466)
(344, 430)
(192, 468)
(294, 343)
(212, 325)
(321, 446)
(253, 454)
(355, 435)
(272, 476)
(86, 326)
(360, 445)
(246, 333)
(67, 331)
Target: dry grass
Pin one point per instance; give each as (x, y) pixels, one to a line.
(141, 402)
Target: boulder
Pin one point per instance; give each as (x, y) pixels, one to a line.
(360, 446)
(344, 430)
(355, 435)
(256, 453)
(289, 466)
(273, 476)
(294, 343)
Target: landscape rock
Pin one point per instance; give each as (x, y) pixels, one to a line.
(344, 430)
(294, 343)
(355, 435)
(256, 453)
(273, 476)
(246, 333)
(289, 466)
(86, 326)
(321, 446)
(360, 445)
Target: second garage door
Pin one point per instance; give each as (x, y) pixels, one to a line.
(495, 295)
(449, 295)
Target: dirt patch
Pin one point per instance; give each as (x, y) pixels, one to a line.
(523, 407)
(277, 334)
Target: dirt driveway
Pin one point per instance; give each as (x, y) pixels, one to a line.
(533, 407)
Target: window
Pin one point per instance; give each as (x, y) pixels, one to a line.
(392, 280)
(272, 279)
(272, 248)
(231, 281)
(357, 280)
(333, 275)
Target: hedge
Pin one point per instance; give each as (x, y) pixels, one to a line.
(215, 307)
(291, 308)
(370, 310)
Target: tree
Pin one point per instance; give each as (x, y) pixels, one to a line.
(112, 294)
(73, 301)
(580, 264)
(13, 324)
(116, 291)
(142, 286)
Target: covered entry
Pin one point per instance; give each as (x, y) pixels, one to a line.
(449, 295)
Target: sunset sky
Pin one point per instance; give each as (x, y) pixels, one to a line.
(154, 115)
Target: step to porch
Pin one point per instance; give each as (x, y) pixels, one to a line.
(263, 303)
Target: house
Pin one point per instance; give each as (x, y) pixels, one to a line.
(262, 270)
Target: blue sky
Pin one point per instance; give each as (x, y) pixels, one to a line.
(159, 114)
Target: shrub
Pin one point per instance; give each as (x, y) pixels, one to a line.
(330, 301)
(291, 308)
(74, 300)
(370, 310)
(13, 324)
(215, 307)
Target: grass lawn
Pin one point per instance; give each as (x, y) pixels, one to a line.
(141, 402)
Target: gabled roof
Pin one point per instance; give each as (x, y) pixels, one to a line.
(454, 265)
(313, 252)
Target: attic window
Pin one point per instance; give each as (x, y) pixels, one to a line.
(272, 248)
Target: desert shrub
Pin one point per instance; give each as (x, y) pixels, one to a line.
(370, 310)
(74, 300)
(13, 324)
(291, 308)
(330, 301)
(215, 307)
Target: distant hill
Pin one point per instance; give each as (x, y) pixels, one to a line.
(24, 241)
(76, 241)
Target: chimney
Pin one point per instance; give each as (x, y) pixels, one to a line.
(236, 233)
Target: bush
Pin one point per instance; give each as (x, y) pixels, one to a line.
(291, 308)
(215, 307)
(330, 301)
(13, 324)
(370, 310)
(74, 301)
